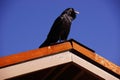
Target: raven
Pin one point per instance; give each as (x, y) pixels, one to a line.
(61, 27)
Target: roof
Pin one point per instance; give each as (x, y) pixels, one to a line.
(72, 46)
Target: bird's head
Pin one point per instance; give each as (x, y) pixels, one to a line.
(70, 12)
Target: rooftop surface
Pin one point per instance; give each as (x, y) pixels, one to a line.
(70, 45)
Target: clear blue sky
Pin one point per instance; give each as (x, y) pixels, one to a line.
(24, 25)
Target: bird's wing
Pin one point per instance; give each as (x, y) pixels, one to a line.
(55, 29)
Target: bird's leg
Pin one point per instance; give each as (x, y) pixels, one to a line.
(60, 40)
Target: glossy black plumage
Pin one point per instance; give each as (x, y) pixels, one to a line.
(61, 27)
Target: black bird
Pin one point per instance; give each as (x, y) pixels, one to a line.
(61, 27)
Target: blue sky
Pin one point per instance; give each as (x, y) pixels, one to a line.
(24, 25)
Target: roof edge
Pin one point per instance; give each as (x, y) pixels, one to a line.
(57, 48)
(34, 54)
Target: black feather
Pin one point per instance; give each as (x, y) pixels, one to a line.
(61, 27)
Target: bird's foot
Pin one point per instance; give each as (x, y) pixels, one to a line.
(62, 41)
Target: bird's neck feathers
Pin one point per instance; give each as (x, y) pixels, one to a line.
(68, 17)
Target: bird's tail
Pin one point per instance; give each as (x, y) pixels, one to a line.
(45, 43)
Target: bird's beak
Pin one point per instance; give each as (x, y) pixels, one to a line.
(77, 12)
